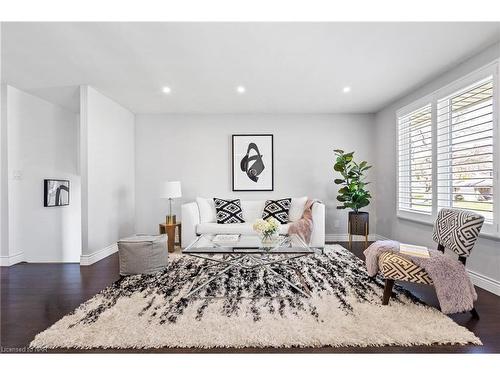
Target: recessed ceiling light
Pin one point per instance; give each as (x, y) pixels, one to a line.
(166, 90)
(241, 89)
(346, 89)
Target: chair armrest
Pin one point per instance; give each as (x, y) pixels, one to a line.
(190, 216)
(318, 232)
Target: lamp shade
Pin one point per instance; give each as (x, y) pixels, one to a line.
(171, 189)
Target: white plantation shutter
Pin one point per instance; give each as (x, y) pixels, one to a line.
(448, 151)
(465, 155)
(415, 161)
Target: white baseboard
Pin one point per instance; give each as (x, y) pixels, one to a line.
(485, 282)
(10, 260)
(96, 256)
(345, 237)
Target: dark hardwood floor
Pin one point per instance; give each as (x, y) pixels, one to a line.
(34, 296)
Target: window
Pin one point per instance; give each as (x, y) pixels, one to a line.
(448, 152)
(415, 161)
(465, 149)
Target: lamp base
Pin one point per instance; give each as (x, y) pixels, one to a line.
(170, 219)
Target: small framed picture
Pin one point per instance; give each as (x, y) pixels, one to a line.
(253, 162)
(55, 193)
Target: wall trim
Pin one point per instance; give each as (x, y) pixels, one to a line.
(344, 237)
(96, 256)
(485, 282)
(10, 260)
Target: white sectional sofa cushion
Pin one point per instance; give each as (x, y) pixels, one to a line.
(206, 207)
(297, 208)
(252, 210)
(199, 218)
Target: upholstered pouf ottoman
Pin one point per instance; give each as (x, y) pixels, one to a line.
(142, 254)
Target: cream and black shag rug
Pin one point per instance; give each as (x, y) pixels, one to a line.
(253, 308)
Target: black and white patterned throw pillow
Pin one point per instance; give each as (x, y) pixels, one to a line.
(278, 209)
(228, 211)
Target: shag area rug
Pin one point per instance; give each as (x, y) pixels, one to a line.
(253, 308)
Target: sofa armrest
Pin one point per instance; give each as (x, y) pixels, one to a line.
(190, 219)
(318, 232)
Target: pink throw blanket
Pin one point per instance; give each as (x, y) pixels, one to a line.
(454, 289)
(304, 226)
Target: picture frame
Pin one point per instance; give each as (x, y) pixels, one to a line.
(252, 162)
(55, 192)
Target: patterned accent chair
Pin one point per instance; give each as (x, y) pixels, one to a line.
(456, 230)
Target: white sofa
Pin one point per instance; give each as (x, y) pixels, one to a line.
(198, 218)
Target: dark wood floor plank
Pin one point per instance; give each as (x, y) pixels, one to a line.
(35, 296)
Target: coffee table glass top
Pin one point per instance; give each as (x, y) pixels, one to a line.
(248, 244)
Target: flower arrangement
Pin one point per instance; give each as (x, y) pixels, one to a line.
(267, 229)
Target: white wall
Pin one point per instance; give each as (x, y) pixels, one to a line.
(196, 150)
(485, 259)
(4, 197)
(42, 143)
(108, 173)
(4, 203)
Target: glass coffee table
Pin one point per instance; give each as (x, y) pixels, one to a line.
(248, 252)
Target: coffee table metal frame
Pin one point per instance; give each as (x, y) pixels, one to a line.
(248, 258)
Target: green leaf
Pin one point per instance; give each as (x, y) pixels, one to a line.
(363, 203)
(339, 181)
(344, 190)
(338, 167)
(338, 151)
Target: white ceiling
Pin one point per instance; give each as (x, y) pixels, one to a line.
(285, 67)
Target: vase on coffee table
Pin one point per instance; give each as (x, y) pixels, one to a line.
(269, 238)
(267, 229)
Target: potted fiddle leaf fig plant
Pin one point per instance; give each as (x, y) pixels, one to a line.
(353, 193)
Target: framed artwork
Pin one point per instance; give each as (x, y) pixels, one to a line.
(253, 162)
(55, 193)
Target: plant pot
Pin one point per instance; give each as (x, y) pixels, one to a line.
(359, 223)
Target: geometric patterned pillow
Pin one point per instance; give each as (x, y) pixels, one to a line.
(278, 209)
(228, 211)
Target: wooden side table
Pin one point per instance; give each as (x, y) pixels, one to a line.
(169, 229)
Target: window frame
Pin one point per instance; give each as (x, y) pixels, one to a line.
(419, 104)
(491, 229)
